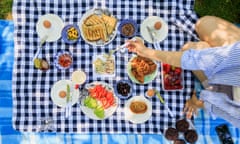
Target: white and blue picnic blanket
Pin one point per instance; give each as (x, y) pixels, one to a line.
(203, 124)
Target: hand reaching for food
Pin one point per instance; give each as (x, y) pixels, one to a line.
(138, 47)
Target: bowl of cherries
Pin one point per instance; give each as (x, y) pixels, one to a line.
(123, 89)
(172, 77)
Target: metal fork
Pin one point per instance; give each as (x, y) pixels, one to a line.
(118, 48)
(46, 124)
(68, 109)
(43, 40)
(153, 35)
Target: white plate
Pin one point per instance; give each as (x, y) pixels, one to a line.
(147, 79)
(137, 118)
(62, 86)
(108, 112)
(54, 32)
(95, 43)
(161, 34)
(95, 74)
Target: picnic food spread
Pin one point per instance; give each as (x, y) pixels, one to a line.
(40, 90)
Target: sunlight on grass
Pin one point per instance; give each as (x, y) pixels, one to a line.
(5, 8)
(226, 9)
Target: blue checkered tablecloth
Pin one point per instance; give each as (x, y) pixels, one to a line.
(204, 125)
(31, 87)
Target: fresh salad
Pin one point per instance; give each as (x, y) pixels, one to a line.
(99, 100)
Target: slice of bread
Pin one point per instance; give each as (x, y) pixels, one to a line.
(110, 23)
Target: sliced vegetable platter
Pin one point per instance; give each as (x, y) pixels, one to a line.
(101, 102)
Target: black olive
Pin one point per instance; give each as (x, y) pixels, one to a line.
(123, 88)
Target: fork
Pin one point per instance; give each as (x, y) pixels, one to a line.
(46, 124)
(118, 48)
(153, 35)
(68, 108)
(43, 40)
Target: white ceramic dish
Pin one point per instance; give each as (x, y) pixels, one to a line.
(137, 118)
(95, 74)
(62, 86)
(147, 79)
(99, 42)
(107, 112)
(161, 34)
(54, 32)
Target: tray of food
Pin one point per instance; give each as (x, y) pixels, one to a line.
(98, 27)
(172, 77)
(103, 65)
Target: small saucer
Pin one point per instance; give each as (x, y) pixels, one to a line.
(132, 23)
(66, 61)
(121, 96)
(161, 34)
(54, 32)
(71, 34)
(149, 96)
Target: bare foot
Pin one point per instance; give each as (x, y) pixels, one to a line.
(192, 105)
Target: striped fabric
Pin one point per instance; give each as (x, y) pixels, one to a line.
(221, 65)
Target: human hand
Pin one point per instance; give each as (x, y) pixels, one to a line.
(192, 105)
(138, 47)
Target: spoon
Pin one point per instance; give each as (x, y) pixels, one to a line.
(118, 48)
(99, 11)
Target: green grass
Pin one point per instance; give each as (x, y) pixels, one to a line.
(5, 8)
(226, 9)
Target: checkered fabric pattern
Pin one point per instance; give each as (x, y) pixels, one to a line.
(31, 87)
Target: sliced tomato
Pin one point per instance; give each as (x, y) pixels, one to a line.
(109, 95)
(107, 105)
(104, 93)
(91, 90)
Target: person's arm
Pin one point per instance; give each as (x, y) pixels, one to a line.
(172, 58)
